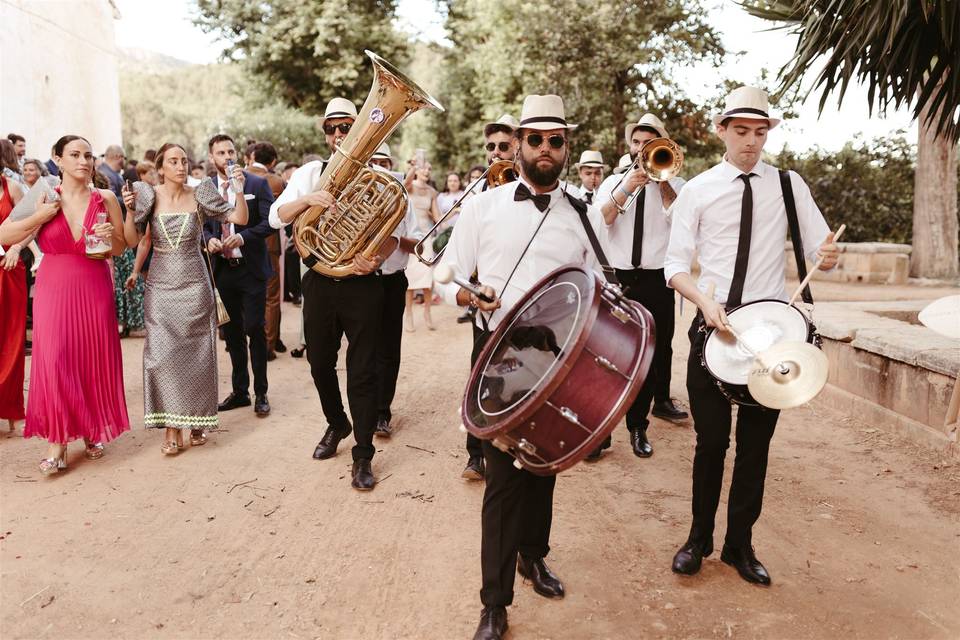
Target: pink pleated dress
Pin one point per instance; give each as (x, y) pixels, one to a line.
(76, 375)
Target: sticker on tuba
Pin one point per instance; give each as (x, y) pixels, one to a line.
(376, 115)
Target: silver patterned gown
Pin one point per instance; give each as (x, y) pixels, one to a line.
(179, 354)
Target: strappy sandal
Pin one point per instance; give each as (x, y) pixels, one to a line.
(49, 466)
(197, 438)
(169, 448)
(94, 450)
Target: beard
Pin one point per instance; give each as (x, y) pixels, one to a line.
(538, 176)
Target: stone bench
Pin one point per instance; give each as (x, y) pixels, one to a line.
(873, 262)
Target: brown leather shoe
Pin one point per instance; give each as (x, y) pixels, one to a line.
(493, 624)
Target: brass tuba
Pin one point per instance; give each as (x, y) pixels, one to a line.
(370, 203)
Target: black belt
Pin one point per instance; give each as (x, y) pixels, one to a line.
(235, 262)
(375, 274)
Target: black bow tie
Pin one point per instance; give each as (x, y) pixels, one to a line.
(541, 201)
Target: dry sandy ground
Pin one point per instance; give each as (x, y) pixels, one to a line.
(248, 537)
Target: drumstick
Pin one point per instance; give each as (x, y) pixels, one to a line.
(816, 266)
(711, 288)
(444, 273)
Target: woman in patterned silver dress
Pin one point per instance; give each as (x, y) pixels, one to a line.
(179, 354)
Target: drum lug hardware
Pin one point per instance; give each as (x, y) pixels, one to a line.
(527, 447)
(606, 364)
(501, 444)
(517, 463)
(562, 444)
(533, 425)
(620, 314)
(569, 415)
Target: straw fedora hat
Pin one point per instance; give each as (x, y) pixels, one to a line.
(544, 113)
(648, 120)
(506, 121)
(339, 108)
(589, 158)
(747, 102)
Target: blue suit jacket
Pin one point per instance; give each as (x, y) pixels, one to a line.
(258, 227)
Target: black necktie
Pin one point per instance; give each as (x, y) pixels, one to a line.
(743, 245)
(541, 201)
(589, 197)
(638, 229)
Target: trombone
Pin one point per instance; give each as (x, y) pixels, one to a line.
(498, 173)
(660, 158)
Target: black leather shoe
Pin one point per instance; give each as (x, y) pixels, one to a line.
(298, 352)
(493, 624)
(234, 401)
(327, 447)
(641, 446)
(537, 572)
(690, 557)
(467, 316)
(279, 347)
(594, 455)
(363, 479)
(668, 410)
(475, 468)
(746, 564)
(261, 406)
(383, 428)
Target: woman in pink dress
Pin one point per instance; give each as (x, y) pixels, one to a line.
(76, 374)
(13, 315)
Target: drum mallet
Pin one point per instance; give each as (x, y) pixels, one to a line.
(816, 266)
(444, 273)
(711, 288)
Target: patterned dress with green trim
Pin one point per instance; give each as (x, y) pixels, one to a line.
(179, 353)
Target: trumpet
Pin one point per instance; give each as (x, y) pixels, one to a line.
(498, 173)
(660, 158)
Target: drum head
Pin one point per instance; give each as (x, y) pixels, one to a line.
(761, 324)
(530, 347)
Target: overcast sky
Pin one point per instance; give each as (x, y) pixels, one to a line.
(166, 27)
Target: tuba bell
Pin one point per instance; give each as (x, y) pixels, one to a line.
(369, 204)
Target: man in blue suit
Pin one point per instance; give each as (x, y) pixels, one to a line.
(241, 269)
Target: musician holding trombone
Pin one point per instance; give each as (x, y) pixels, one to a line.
(634, 206)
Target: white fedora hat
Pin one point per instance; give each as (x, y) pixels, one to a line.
(339, 108)
(623, 163)
(589, 158)
(382, 153)
(747, 102)
(506, 121)
(543, 113)
(649, 121)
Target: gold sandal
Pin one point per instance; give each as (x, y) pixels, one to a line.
(169, 448)
(94, 450)
(197, 438)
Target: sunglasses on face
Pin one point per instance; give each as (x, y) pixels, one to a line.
(556, 141)
(503, 146)
(344, 127)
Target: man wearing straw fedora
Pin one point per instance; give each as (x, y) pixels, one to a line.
(333, 307)
(735, 217)
(492, 237)
(590, 169)
(638, 236)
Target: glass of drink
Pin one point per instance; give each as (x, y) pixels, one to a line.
(97, 248)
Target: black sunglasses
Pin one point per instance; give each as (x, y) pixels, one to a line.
(556, 141)
(503, 146)
(343, 126)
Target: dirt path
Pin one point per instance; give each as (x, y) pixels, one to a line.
(248, 537)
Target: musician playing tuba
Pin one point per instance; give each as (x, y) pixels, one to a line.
(638, 230)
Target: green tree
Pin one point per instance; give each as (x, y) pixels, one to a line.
(609, 59)
(307, 51)
(907, 53)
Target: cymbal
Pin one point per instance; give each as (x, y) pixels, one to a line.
(943, 316)
(796, 374)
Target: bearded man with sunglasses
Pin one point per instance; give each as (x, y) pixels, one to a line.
(492, 237)
(336, 306)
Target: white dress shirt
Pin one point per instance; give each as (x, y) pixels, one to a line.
(656, 225)
(494, 229)
(706, 218)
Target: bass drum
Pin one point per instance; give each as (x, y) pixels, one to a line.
(761, 324)
(560, 371)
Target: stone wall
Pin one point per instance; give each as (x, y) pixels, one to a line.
(873, 262)
(58, 72)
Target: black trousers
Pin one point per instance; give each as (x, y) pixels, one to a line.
(648, 287)
(391, 335)
(474, 447)
(516, 517)
(332, 308)
(245, 299)
(712, 420)
(291, 274)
